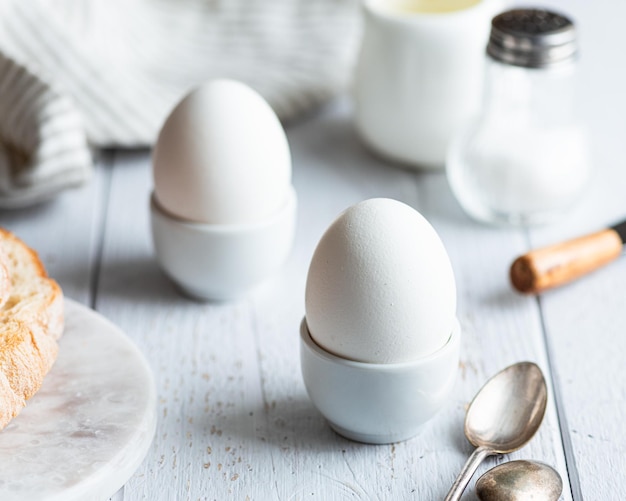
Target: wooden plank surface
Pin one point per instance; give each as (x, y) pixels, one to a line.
(235, 420)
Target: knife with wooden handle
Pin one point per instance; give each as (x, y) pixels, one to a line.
(558, 264)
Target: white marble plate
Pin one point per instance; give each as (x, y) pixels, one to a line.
(83, 435)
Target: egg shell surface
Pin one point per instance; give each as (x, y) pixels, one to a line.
(380, 287)
(222, 157)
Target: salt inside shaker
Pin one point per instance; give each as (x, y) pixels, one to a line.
(524, 159)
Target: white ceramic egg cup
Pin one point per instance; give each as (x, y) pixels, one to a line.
(378, 403)
(221, 262)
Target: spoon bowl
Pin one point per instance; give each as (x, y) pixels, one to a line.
(503, 417)
(519, 480)
(507, 411)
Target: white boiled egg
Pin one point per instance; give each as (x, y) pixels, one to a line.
(222, 157)
(380, 287)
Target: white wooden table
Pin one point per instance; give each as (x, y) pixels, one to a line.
(234, 418)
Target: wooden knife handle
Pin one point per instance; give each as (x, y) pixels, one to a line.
(558, 264)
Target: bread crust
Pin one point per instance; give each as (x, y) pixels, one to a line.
(5, 280)
(31, 322)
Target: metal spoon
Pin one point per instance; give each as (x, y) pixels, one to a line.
(518, 481)
(503, 417)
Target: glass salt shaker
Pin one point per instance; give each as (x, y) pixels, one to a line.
(524, 160)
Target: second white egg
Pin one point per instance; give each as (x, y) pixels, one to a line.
(222, 157)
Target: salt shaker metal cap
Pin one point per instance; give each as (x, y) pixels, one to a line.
(532, 38)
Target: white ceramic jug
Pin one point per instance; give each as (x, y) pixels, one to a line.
(419, 75)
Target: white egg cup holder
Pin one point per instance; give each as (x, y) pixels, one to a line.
(221, 262)
(378, 403)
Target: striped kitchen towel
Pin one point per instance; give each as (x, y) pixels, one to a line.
(43, 148)
(111, 70)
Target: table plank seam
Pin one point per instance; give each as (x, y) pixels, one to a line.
(107, 163)
(566, 441)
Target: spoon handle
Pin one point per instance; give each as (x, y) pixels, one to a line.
(477, 457)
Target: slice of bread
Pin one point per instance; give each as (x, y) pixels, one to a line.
(31, 322)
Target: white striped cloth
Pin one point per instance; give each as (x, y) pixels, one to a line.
(121, 65)
(43, 148)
